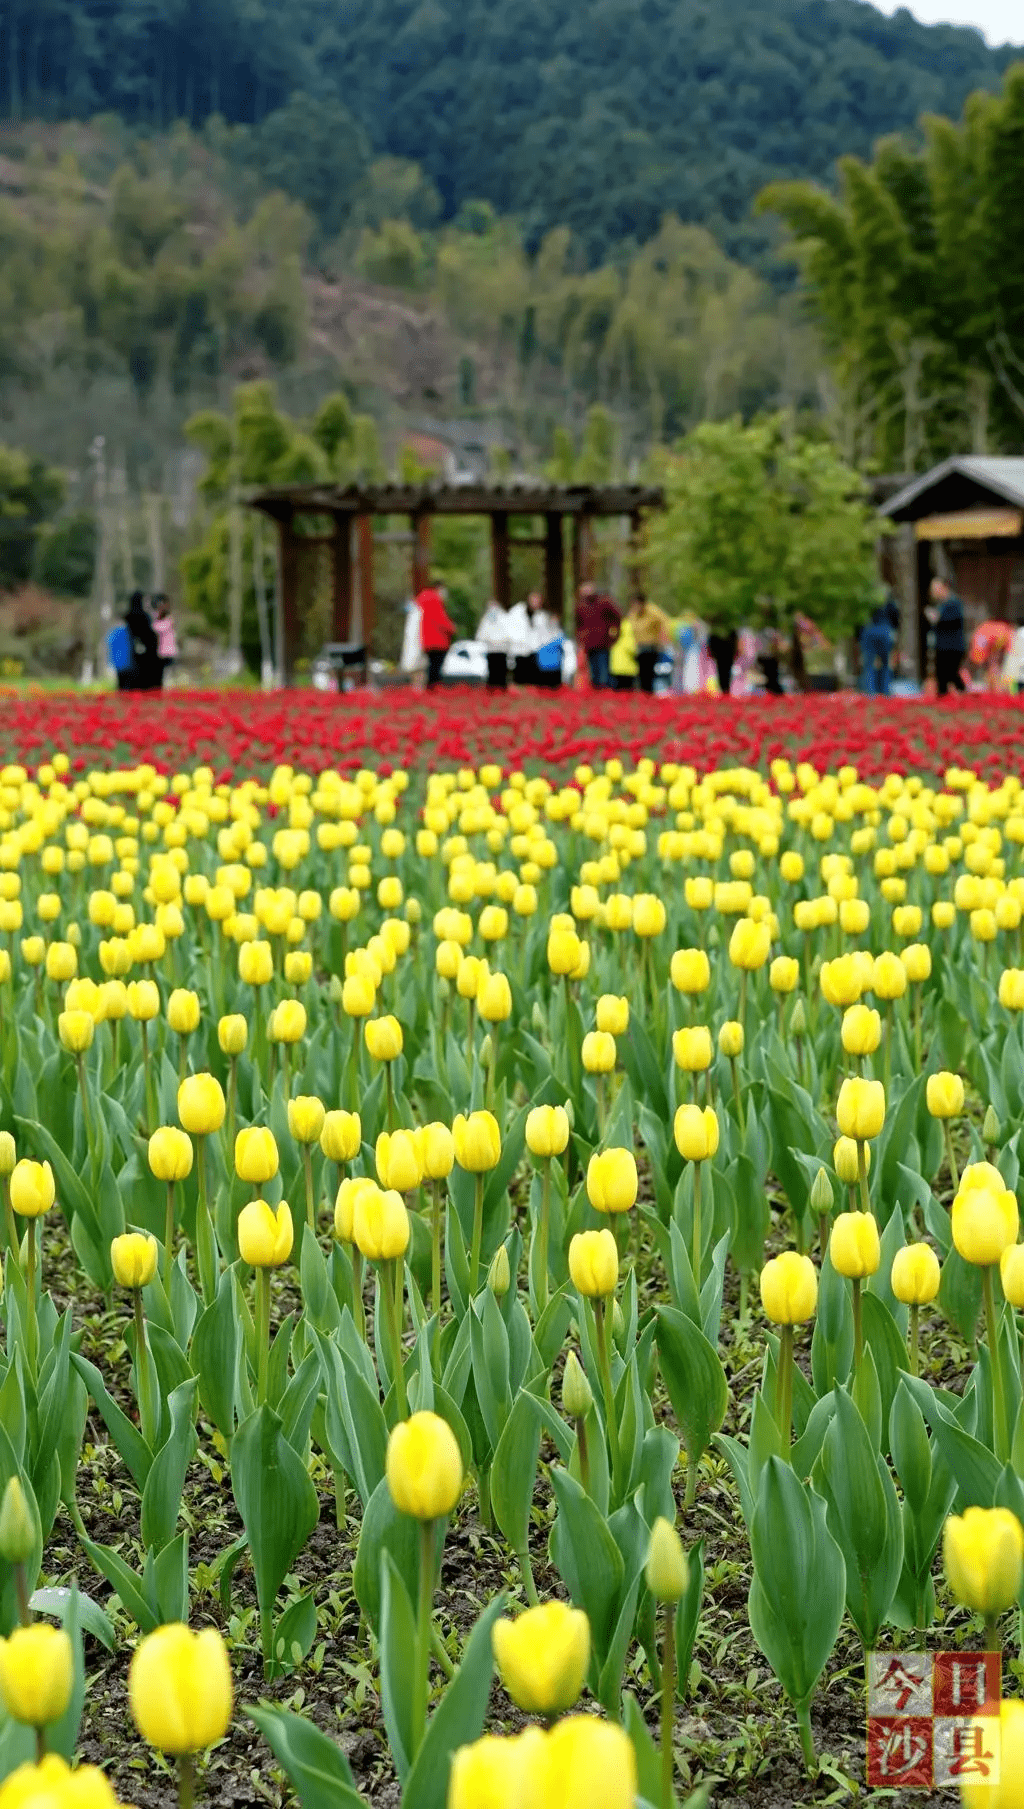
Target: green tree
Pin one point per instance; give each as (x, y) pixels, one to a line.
(30, 495)
(762, 524)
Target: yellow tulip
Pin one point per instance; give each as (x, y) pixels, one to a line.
(358, 996)
(133, 1259)
(889, 980)
(256, 963)
(170, 1153)
(341, 1136)
(232, 1034)
(915, 1275)
(648, 915)
(424, 1467)
(547, 1131)
(563, 952)
(436, 1148)
(8, 1153)
(256, 1157)
(345, 1205)
(494, 999)
(862, 1030)
(265, 1237)
(76, 1030)
(699, 892)
(477, 1142)
(380, 1224)
(598, 1053)
(37, 1673)
(306, 1118)
(750, 944)
(853, 1246)
(789, 1288)
(543, 1657)
(983, 1554)
(691, 1048)
(860, 1110)
(61, 959)
(287, 1022)
(584, 1763)
(179, 1687)
(1011, 1274)
(666, 1571)
(917, 962)
(398, 1161)
(841, 982)
(1005, 1794)
(183, 1011)
(784, 974)
(731, 1039)
(944, 1094)
(696, 1133)
(594, 1263)
(1011, 989)
(690, 971)
(612, 1181)
(384, 1038)
(201, 1105)
(985, 1218)
(612, 1014)
(496, 1772)
(143, 1000)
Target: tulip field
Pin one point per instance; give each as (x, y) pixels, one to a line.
(512, 1277)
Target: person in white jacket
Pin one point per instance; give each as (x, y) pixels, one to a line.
(493, 635)
(521, 648)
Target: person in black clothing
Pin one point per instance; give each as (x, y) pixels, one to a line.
(145, 673)
(722, 648)
(947, 616)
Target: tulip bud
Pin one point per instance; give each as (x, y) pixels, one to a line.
(17, 1529)
(499, 1276)
(667, 1571)
(991, 1131)
(538, 1019)
(577, 1396)
(798, 1018)
(37, 1674)
(8, 1153)
(424, 1467)
(822, 1197)
(487, 1051)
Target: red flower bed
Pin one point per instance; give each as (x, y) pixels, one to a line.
(240, 733)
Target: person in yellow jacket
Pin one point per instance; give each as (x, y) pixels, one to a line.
(623, 663)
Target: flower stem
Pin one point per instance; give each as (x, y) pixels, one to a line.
(186, 1781)
(358, 1309)
(387, 1289)
(421, 1655)
(858, 1326)
(262, 1332)
(32, 1327)
(1001, 1431)
(86, 1115)
(803, 1717)
(604, 1363)
(862, 1175)
(307, 1165)
(168, 1238)
(543, 1234)
(581, 1439)
(668, 1701)
(698, 1241)
(784, 1388)
(915, 1339)
(954, 1174)
(741, 1104)
(478, 1237)
(435, 1251)
(390, 1088)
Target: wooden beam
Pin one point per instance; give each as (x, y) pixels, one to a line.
(420, 553)
(972, 524)
(289, 650)
(364, 529)
(554, 567)
(501, 565)
(341, 623)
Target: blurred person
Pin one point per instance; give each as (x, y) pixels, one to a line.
(166, 637)
(623, 663)
(492, 633)
(651, 632)
(876, 643)
(548, 644)
(437, 631)
(144, 672)
(1013, 663)
(722, 648)
(947, 618)
(521, 649)
(597, 629)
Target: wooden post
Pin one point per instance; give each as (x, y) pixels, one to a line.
(554, 567)
(924, 579)
(420, 553)
(367, 599)
(341, 622)
(582, 551)
(500, 561)
(289, 648)
(637, 575)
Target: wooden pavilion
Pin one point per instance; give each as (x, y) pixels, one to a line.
(963, 521)
(339, 519)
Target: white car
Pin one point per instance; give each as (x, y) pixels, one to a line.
(466, 663)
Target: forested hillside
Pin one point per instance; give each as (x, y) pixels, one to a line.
(597, 115)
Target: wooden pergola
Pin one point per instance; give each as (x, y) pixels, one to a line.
(341, 518)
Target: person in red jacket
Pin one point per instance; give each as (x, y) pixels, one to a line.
(437, 631)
